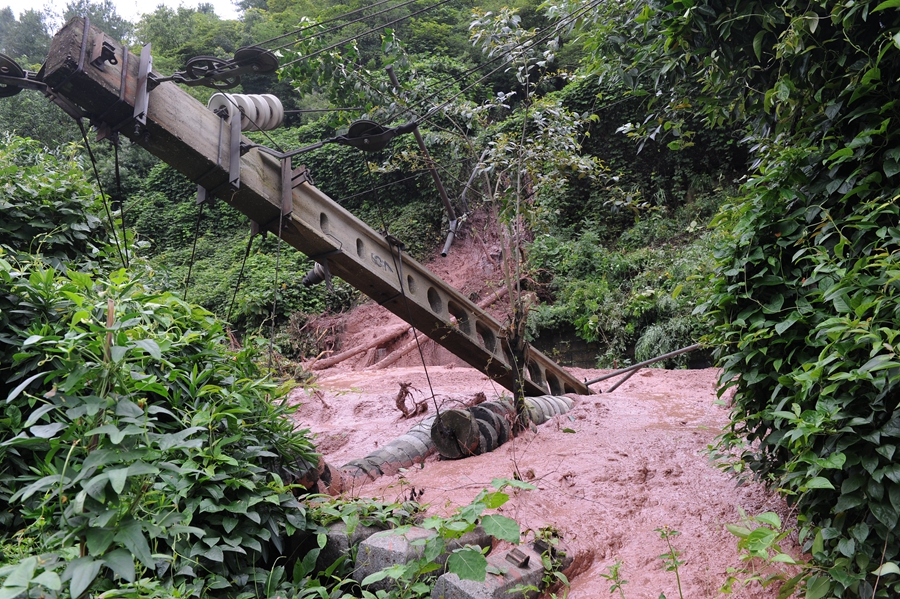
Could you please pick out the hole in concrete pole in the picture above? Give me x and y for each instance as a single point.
(486, 337)
(462, 318)
(360, 248)
(323, 223)
(535, 373)
(555, 387)
(434, 300)
(411, 284)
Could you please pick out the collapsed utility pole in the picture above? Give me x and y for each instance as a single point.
(100, 76)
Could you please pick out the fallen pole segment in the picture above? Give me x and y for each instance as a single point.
(186, 135)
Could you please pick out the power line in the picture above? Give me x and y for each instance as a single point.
(347, 24)
(319, 24)
(365, 33)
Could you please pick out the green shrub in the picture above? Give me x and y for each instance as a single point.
(47, 206)
(134, 444)
(632, 302)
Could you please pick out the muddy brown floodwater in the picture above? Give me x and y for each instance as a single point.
(636, 462)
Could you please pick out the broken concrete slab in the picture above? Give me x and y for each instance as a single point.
(403, 545)
(519, 566)
(338, 541)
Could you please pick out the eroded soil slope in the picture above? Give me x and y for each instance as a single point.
(636, 462)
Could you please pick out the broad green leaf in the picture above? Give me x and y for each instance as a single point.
(783, 558)
(48, 580)
(757, 44)
(215, 554)
(150, 346)
(885, 5)
(117, 479)
(501, 527)
(22, 574)
(21, 387)
(374, 577)
(121, 563)
(99, 539)
(817, 587)
(117, 352)
(36, 415)
(741, 532)
(886, 568)
(46, 431)
(819, 483)
(132, 536)
(770, 518)
(468, 564)
(81, 572)
(229, 523)
(494, 500)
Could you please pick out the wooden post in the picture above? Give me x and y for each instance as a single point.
(185, 134)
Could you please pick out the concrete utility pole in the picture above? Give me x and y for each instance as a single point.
(193, 140)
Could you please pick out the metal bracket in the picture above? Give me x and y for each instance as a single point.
(142, 94)
(104, 128)
(104, 51)
(518, 558)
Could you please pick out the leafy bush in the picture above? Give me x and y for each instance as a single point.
(133, 445)
(632, 302)
(46, 204)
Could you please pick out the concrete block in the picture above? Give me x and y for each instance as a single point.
(339, 542)
(389, 548)
(495, 586)
(402, 545)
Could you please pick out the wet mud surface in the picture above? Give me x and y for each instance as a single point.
(636, 462)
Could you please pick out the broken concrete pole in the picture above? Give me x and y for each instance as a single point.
(404, 451)
(484, 427)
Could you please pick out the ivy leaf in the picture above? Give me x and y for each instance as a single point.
(121, 563)
(468, 564)
(132, 536)
(117, 478)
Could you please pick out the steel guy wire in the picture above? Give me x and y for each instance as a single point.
(112, 223)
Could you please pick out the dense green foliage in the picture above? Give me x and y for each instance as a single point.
(134, 444)
(804, 292)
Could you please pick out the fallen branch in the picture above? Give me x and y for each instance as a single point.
(386, 338)
(411, 345)
(418, 407)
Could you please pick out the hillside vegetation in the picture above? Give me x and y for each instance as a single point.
(658, 173)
